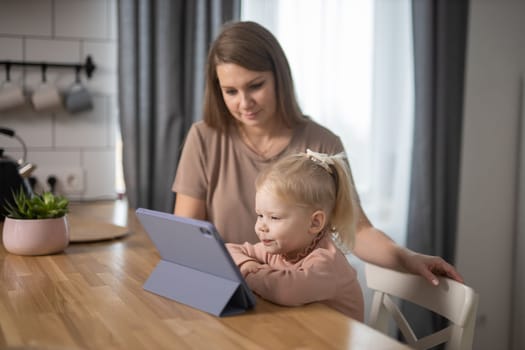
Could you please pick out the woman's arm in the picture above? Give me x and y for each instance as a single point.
(374, 246)
(190, 207)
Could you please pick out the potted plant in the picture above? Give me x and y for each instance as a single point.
(36, 224)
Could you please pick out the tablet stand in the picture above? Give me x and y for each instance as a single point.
(215, 295)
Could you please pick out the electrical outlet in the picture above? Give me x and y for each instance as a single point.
(69, 180)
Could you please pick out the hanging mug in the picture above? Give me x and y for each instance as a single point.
(78, 98)
(46, 97)
(11, 95)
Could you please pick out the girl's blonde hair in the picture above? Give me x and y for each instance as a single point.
(320, 182)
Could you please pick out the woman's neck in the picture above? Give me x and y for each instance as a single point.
(261, 132)
(267, 141)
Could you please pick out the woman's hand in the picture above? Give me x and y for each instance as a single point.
(374, 246)
(250, 266)
(428, 266)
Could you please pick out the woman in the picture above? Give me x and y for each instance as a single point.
(251, 118)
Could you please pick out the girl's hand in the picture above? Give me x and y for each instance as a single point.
(249, 267)
(429, 267)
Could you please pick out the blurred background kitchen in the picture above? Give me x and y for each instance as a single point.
(84, 145)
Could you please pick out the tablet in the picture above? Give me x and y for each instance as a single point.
(195, 268)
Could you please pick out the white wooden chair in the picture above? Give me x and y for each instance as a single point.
(452, 300)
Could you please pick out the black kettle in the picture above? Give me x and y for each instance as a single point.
(14, 174)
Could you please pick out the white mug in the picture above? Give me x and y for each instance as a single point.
(11, 96)
(46, 98)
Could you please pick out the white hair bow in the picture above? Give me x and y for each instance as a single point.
(322, 159)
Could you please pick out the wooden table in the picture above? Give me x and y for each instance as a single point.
(91, 297)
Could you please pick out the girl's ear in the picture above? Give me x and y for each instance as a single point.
(317, 221)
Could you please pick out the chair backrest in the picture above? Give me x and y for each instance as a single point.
(450, 299)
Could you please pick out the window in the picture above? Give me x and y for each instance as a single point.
(352, 67)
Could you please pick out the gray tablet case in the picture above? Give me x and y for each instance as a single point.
(195, 267)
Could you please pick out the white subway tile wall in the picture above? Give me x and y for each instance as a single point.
(94, 126)
(11, 48)
(81, 19)
(103, 161)
(50, 50)
(26, 17)
(64, 31)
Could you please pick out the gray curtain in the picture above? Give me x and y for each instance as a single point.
(162, 53)
(440, 32)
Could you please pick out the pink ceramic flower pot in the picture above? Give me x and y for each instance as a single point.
(36, 237)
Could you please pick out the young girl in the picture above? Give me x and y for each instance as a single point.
(306, 209)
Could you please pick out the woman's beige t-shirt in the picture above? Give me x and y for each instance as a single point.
(220, 169)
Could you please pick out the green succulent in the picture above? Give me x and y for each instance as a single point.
(44, 206)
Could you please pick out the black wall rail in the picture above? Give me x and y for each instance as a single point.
(88, 66)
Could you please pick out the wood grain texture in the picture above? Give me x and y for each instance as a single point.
(88, 230)
(90, 297)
